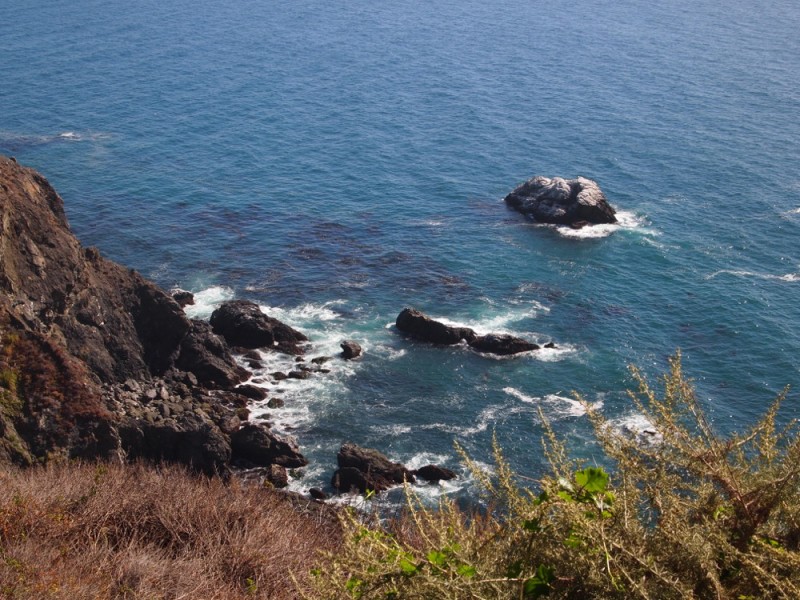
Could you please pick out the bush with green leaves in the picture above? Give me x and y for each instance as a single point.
(691, 515)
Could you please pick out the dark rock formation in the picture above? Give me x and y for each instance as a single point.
(421, 327)
(502, 344)
(365, 469)
(254, 445)
(242, 323)
(251, 391)
(207, 356)
(183, 298)
(575, 202)
(350, 350)
(317, 494)
(101, 362)
(435, 473)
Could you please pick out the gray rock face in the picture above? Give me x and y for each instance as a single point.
(562, 201)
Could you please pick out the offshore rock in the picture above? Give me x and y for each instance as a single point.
(242, 323)
(366, 469)
(422, 327)
(502, 344)
(419, 326)
(435, 473)
(574, 202)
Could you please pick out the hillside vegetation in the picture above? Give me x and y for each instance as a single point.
(688, 515)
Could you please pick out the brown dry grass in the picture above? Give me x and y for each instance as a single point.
(134, 531)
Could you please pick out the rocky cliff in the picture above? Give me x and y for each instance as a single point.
(97, 361)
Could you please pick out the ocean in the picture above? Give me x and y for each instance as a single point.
(339, 161)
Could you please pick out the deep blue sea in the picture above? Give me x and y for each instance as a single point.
(337, 161)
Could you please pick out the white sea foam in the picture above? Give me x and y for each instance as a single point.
(638, 427)
(625, 220)
(789, 277)
(205, 301)
(555, 405)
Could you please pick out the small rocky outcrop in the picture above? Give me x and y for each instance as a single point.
(243, 324)
(365, 469)
(350, 349)
(422, 327)
(419, 326)
(435, 473)
(575, 202)
(256, 446)
(208, 357)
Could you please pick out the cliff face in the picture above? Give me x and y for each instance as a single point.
(117, 323)
(96, 360)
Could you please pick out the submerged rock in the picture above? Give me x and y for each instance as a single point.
(576, 202)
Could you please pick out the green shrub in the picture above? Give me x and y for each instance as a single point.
(690, 515)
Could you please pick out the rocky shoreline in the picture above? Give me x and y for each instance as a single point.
(98, 363)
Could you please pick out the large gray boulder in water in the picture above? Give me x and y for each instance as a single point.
(575, 202)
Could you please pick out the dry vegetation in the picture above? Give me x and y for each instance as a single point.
(116, 531)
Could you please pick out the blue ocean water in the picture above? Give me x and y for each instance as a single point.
(338, 161)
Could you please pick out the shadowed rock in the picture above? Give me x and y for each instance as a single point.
(502, 344)
(366, 469)
(576, 202)
(421, 327)
(435, 473)
(350, 350)
(256, 445)
(242, 323)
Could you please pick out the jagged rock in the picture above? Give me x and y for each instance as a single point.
(435, 473)
(367, 469)
(207, 356)
(350, 349)
(562, 201)
(320, 360)
(183, 298)
(95, 340)
(299, 374)
(189, 439)
(501, 344)
(258, 446)
(275, 403)
(242, 323)
(422, 327)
